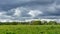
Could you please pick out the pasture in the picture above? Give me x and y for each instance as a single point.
(29, 29)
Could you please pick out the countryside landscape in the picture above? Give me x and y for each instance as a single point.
(29, 16)
(33, 27)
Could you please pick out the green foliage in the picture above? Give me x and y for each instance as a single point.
(45, 22)
(10, 33)
(37, 22)
(30, 29)
(52, 23)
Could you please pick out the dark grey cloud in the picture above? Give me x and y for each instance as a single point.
(9, 4)
(29, 9)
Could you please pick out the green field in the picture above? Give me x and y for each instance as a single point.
(29, 29)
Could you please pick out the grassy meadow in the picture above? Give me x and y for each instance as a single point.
(29, 29)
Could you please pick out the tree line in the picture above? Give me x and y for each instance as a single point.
(38, 22)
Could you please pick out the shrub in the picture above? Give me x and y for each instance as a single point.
(36, 23)
(52, 23)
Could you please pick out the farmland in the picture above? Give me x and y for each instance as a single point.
(29, 29)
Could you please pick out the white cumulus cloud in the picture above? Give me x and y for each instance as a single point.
(17, 12)
(35, 13)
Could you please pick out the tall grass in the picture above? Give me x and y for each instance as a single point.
(29, 29)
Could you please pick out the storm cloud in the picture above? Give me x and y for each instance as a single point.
(29, 9)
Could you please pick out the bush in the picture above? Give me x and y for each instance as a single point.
(52, 23)
(36, 23)
(44, 22)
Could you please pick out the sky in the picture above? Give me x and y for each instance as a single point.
(21, 10)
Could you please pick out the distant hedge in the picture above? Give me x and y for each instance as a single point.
(31, 23)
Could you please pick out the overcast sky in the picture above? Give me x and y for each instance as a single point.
(29, 9)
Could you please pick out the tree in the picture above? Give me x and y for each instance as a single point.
(52, 23)
(45, 23)
(36, 22)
